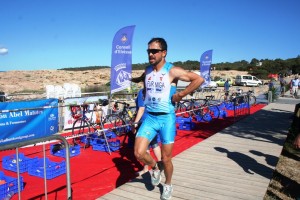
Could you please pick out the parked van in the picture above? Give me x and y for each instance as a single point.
(247, 80)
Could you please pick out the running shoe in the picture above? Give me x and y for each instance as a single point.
(155, 177)
(167, 192)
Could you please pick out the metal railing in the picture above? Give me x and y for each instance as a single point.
(42, 141)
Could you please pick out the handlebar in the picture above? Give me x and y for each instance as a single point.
(121, 102)
(103, 102)
(210, 97)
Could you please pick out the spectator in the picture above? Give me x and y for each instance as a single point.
(226, 89)
(282, 85)
(271, 85)
(294, 85)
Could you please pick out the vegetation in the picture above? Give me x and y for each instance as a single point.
(29, 91)
(83, 68)
(259, 68)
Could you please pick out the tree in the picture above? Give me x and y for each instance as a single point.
(254, 62)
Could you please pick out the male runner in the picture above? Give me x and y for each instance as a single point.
(160, 85)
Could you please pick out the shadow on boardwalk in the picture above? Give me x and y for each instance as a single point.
(267, 126)
(248, 164)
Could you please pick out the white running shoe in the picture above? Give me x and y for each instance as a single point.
(155, 177)
(167, 192)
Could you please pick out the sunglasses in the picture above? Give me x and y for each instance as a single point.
(153, 51)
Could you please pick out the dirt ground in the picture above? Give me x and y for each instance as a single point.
(37, 80)
(34, 82)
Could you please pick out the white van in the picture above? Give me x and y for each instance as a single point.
(247, 80)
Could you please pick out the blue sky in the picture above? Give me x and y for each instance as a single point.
(40, 34)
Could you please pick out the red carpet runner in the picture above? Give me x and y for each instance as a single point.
(95, 173)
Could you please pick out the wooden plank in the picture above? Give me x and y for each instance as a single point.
(111, 196)
(241, 170)
(212, 175)
(209, 155)
(227, 164)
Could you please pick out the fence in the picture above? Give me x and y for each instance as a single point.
(241, 107)
(42, 141)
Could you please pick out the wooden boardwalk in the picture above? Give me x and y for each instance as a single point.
(236, 163)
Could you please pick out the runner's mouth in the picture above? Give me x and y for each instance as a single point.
(151, 58)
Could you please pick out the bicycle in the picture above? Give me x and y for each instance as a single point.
(208, 111)
(224, 97)
(235, 96)
(251, 97)
(120, 120)
(127, 113)
(181, 108)
(201, 109)
(83, 131)
(243, 97)
(188, 108)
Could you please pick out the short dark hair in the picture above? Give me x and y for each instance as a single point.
(161, 41)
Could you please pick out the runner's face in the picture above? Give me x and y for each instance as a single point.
(157, 57)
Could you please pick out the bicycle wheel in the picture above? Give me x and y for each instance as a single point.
(79, 128)
(232, 97)
(182, 109)
(222, 98)
(116, 124)
(124, 114)
(194, 109)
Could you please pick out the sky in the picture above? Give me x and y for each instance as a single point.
(41, 35)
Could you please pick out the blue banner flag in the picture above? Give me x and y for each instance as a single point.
(205, 62)
(120, 74)
(23, 121)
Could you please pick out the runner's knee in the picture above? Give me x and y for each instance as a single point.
(139, 153)
(166, 159)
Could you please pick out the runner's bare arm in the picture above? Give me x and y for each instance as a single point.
(177, 73)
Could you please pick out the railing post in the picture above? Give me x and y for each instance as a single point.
(61, 106)
(248, 104)
(270, 100)
(234, 109)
